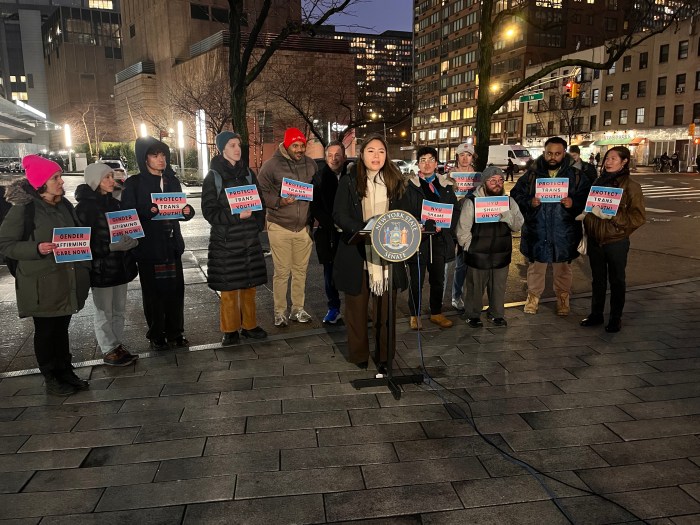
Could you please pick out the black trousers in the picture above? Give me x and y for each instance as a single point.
(436, 279)
(51, 346)
(608, 263)
(163, 297)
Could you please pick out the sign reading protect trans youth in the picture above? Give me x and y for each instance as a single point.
(170, 205)
(243, 198)
(607, 199)
(72, 244)
(301, 191)
(552, 189)
(124, 222)
(396, 236)
(466, 182)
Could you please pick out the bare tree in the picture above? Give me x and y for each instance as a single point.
(646, 19)
(245, 65)
(90, 124)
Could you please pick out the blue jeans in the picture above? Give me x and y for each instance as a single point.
(331, 291)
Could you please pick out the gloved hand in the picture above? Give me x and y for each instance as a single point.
(581, 216)
(599, 213)
(507, 217)
(188, 212)
(124, 243)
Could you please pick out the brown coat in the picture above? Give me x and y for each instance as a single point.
(630, 216)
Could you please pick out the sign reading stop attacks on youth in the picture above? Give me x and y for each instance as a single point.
(72, 244)
(301, 191)
(124, 222)
(170, 205)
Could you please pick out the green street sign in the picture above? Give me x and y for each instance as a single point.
(533, 96)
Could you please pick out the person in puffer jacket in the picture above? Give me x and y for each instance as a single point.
(113, 265)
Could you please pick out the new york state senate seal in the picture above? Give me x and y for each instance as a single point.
(396, 236)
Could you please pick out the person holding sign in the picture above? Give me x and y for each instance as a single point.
(488, 247)
(435, 252)
(608, 238)
(374, 186)
(113, 264)
(159, 254)
(551, 234)
(236, 262)
(47, 291)
(288, 225)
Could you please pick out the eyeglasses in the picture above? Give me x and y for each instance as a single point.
(494, 180)
(426, 160)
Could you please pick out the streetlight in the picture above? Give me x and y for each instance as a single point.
(144, 131)
(69, 145)
(375, 116)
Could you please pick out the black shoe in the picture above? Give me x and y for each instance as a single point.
(159, 344)
(180, 342)
(69, 377)
(497, 321)
(592, 320)
(362, 365)
(56, 387)
(381, 368)
(254, 333)
(474, 322)
(614, 325)
(230, 338)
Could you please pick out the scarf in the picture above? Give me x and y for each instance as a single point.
(375, 203)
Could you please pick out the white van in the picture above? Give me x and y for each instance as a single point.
(499, 155)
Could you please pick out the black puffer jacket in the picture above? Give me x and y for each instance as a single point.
(236, 258)
(108, 268)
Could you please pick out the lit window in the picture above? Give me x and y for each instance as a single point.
(100, 4)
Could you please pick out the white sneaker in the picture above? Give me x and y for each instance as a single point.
(300, 316)
(280, 320)
(458, 304)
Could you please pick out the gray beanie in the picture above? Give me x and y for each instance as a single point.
(489, 172)
(223, 138)
(94, 174)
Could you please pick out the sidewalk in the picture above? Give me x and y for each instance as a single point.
(274, 433)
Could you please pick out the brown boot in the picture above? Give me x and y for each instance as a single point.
(532, 304)
(440, 320)
(415, 323)
(563, 304)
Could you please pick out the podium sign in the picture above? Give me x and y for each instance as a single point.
(396, 236)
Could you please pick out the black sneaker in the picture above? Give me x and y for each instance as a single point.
(180, 342)
(57, 387)
(254, 333)
(474, 322)
(70, 377)
(159, 344)
(498, 321)
(230, 339)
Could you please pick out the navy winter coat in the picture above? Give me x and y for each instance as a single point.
(551, 233)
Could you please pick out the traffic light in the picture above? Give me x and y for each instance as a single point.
(574, 89)
(691, 129)
(567, 88)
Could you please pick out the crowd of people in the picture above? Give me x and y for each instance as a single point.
(344, 199)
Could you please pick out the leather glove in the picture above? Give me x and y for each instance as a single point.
(188, 212)
(124, 243)
(507, 217)
(599, 213)
(582, 216)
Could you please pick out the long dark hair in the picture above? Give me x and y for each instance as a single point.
(394, 180)
(612, 178)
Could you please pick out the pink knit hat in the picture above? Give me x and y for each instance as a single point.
(38, 170)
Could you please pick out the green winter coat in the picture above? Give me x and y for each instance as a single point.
(44, 288)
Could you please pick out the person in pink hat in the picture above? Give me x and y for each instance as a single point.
(288, 224)
(48, 292)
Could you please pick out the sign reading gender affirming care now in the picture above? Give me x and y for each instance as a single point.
(301, 191)
(72, 244)
(243, 198)
(440, 212)
(465, 182)
(607, 199)
(170, 205)
(552, 189)
(489, 209)
(124, 222)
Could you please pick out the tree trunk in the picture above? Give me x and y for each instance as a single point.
(482, 131)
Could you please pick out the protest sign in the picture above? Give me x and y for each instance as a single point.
(243, 198)
(439, 212)
(170, 205)
(551, 189)
(72, 244)
(301, 191)
(489, 209)
(465, 182)
(123, 222)
(607, 199)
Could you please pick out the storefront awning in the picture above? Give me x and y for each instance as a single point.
(637, 141)
(621, 141)
(584, 143)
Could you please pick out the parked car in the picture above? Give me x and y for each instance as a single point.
(11, 165)
(499, 155)
(401, 164)
(413, 167)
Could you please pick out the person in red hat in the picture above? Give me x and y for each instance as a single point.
(288, 225)
(48, 292)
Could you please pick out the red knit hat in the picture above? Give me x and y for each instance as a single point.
(293, 135)
(38, 170)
